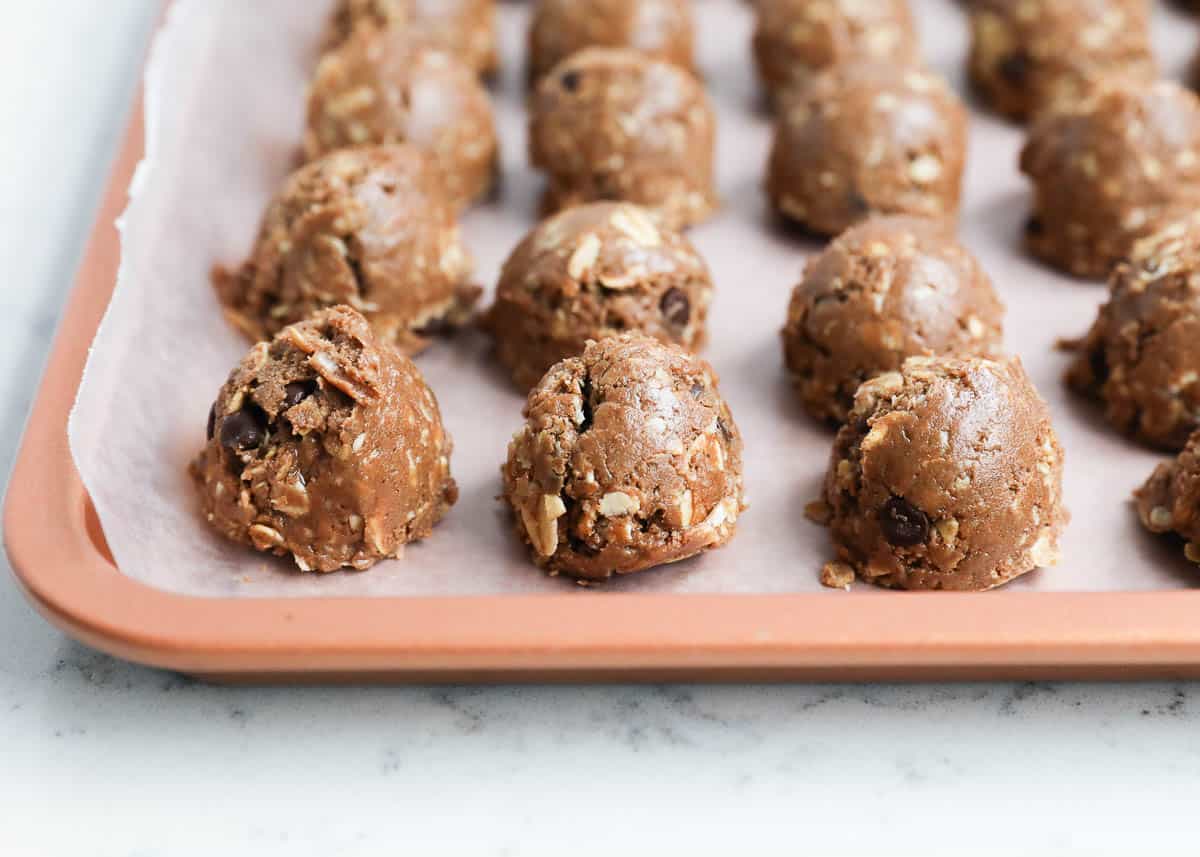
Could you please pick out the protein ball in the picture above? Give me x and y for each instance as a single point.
(947, 475)
(1027, 55)
(327, 445)
(868, 138)
(629, 458)
(591, 272)
(796, 39)
(885, 290)
(613, 124)
(1169, 502)
(1142, 355)
(1109, 170)
(381, 87)
(369, 227)
(465, 28)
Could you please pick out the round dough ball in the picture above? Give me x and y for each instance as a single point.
(868, 138)
(629, 458)
(796, 39)
(1026, 56)
(662, 29)
(613, 124)
(380, 87)
(885, 290)
(465, 28)
(369, 227)
(947, 475)
(1142, 355)
(1169, 502)
(325, 444)
(592, 272)
(1110, 170)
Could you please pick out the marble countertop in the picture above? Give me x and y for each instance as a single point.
(99, 757)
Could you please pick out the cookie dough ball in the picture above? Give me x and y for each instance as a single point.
(629, 459)
(662, 29)
(613, 124)
(327, 445)
(1169, 502)
(883, 291)
(592, 272)
(1142, 355)
(369, 227)
(1025, 56)
(868, 138)
(796, 39)
(381, 87)
(465, 28)
(1109, 171)
(947, 475)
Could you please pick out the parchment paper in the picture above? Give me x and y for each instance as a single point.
(224, 105)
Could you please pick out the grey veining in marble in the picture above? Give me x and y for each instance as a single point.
(98, 757)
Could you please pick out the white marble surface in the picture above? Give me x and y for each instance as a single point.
(98, 757)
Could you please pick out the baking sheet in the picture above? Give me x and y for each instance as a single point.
(225, 93)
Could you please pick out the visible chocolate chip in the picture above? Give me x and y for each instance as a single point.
(1014, 68)
(1098, 361)
(675, 307)
(697, 390)
(1034, 226)
(903, 524)
(725, 430)
(244, 429)
(585, 406)
(570, 80)
(296, 392)
(212, 421)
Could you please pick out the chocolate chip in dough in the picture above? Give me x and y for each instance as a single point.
(570, 80)
(211, 428)
(243, 429)
(675, 306)
(296, 392)
(903, 524)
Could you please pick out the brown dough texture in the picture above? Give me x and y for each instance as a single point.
(465, 28)
(1142, 355)
(947, 475)
(592, 272)
(883, 291)
(868, 138)
(662, 29)
(369, 227)
(1109, 170)
(1028, 55)
(380, 87)
(796, 39)
(327, 445)
(611, 123)
(629, 458)
(1169, 502)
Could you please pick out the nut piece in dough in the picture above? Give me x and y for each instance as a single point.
(796, 39)
(1028, 55)
(629, 458)
(1169, 502)
(327, 445)
(613, 124)
(1142, 355)
(883, 291)
(868, 138)
(662, 29)
(381, 87)
(592, 272)
(947, 475)
(465, 28)
(1109, 170)
(369, 227)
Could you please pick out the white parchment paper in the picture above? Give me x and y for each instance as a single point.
(225, 91)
